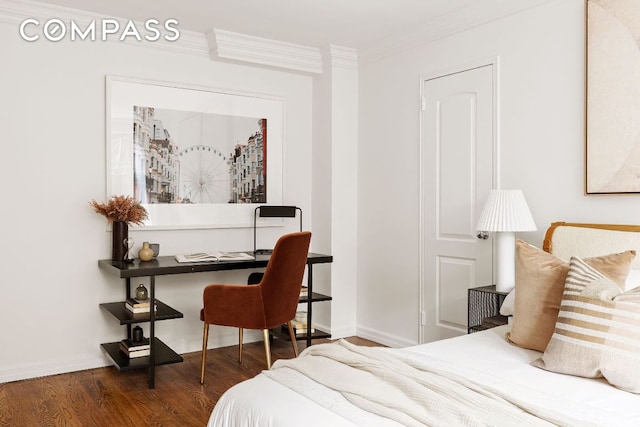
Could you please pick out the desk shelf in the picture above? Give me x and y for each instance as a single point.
(163, 355)
(126, 317)
(315, 297)
(283, 334)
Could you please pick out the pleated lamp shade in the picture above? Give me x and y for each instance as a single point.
(504, 213)
(506, 210)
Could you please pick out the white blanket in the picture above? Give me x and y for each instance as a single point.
(409, 391)
(483, 358)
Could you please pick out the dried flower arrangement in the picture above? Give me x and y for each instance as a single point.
(121, 208)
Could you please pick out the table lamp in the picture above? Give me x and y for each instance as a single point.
(504, 213)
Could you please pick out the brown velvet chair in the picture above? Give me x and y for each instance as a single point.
(268, 304)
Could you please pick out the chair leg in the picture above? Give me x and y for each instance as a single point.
(205, 338)
(267, 348)
(240, 345)
(294, 342)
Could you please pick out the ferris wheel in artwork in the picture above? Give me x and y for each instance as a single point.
(204, 175)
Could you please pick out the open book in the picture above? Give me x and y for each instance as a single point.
(214, 256)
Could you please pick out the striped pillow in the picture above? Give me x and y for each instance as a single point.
(597, 333)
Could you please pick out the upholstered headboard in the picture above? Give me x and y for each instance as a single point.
(565, 239)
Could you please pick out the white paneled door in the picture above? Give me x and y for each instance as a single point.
(458, 164)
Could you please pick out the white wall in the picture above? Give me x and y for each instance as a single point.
(344, 188)
(541, 131)
(52, 119)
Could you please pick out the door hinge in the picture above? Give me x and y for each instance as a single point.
(423, 104)
(423, 318)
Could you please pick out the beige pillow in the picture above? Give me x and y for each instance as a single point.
(539, 283)
(598, 330)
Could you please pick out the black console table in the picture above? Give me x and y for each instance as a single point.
(160, 353)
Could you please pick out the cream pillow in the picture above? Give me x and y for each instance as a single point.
(598, 330)
(539, 283)
(506, 309)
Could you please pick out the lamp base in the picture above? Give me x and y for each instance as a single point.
(505, 257)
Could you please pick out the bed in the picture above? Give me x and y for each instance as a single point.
(544, 368)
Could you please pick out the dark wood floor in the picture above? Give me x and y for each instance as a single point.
(106, 397)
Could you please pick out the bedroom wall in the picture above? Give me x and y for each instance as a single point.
(541, 137)
(52, 116)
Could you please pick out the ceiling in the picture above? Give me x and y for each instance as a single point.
(349, 23)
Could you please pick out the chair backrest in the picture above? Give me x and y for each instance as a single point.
(283, 277)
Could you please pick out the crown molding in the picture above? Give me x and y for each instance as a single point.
(343, 57)
(190, 42)
(16, 11)
(257, 50)
(444, 26)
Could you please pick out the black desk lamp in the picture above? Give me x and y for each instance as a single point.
(268, 211)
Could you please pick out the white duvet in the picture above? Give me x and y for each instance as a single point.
(286, 397)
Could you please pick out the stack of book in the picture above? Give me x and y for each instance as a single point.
(300, 327)
(135, 349)
(304, 292)
(136, 306)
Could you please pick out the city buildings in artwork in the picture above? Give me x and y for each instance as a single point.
(247, 168)
(156, 168)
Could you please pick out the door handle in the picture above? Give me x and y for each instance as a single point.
(483, 235)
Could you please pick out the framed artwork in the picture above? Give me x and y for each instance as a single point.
(195, 157)
(612, 97)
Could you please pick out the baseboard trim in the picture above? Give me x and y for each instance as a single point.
(37, 370)
(383, 338)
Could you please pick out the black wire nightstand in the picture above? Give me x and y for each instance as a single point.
(484, 308)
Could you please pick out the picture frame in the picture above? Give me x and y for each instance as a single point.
(612, 116)
(181, 210)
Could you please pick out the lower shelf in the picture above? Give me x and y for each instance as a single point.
(489, 322)
(314, 297)
(284, 334)
(163, 356)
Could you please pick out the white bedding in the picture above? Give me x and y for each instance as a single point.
(483, 357)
